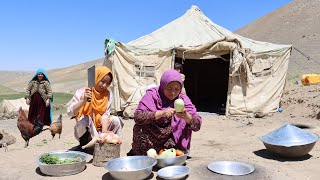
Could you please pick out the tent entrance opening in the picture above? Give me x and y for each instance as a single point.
(206, 83)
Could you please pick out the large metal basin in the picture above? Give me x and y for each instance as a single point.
(63, 169)
(131, 167)
(289, 141)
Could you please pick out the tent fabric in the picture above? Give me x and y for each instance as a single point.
(256, 74)
(8, 106)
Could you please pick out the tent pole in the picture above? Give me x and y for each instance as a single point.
(173, 58)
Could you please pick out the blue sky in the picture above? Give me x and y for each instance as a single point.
(60, 33)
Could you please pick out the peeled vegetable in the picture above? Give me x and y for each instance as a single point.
(152, 153)
(178, 105)
(168, 153)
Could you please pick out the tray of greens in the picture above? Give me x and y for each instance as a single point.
(62, 163)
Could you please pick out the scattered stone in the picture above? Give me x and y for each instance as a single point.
(7, 139)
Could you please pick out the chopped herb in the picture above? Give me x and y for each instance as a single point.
(54, 159)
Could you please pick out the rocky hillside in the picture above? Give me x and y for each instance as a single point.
(297, 23)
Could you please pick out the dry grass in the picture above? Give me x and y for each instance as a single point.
(5, 90)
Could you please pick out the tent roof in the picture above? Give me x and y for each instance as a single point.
(194, 29)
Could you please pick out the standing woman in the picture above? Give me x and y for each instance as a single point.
(93, 117)
(157, 125)
(38, 97)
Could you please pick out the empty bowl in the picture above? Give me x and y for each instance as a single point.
(173, 172)
(232, 168)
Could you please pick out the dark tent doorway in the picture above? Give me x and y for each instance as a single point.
(206, 83)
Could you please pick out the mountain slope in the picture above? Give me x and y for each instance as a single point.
(297, 23)
(6, 90)
(66, 79)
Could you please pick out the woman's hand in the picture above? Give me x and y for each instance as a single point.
(87, 94)
(28, 101)
(168, 112)
(184, 115)
(164, 113)
(100, 139)
(47, 102)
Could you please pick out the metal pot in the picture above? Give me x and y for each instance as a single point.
(131, 167)
(289, 141)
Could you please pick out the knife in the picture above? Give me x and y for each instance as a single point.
(91, 77)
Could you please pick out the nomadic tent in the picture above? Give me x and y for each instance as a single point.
(8, 106)
(225, 72)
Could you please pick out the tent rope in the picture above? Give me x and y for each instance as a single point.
(302, 65)
(305, 55)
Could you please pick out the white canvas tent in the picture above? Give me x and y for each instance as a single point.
(221, 68)
(8, 106)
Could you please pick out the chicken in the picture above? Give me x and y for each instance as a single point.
(104, 138)
(27, 129)
(56, 127)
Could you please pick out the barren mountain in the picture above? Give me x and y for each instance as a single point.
(297, 23)
(66, 79)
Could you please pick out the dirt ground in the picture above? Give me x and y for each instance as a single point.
(220, 138)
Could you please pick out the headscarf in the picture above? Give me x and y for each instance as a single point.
(99, 101)
(155, 100)
(40, 70)
(45, 77)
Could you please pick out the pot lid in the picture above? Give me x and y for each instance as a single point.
(289, 135)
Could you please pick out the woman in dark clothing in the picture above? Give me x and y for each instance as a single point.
(157, 125)
(39, 97)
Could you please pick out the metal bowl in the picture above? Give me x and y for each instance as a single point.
(178, 160)
(131, 167)
(63, 169)
(289, 141)
(173, 172)
(232, 168)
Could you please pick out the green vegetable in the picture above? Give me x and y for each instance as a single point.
(178, 105)
(54, 159)
(169, 153)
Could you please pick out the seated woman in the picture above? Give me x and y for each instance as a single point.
(157, 125)
(93, 117)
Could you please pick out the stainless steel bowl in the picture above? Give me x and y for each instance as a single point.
(232, 168)
(289, 141)
(63, 169)
(173, 172)
(178, 160)
(131, 167)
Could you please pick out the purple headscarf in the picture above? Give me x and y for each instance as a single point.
(155, 100)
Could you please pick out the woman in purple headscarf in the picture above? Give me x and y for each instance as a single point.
(157, 125)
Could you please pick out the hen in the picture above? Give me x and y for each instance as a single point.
(56, 127)
(27, 129)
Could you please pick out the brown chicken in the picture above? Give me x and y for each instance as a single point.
(27, 129)
(56, 127)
